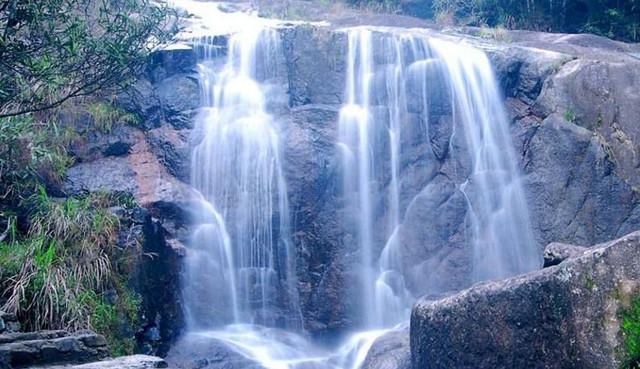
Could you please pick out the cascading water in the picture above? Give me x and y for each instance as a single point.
(243, 253)
(239, 276)
(501, 235)
(380, 68)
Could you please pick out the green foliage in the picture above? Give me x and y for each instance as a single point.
(54, 50)
(570, 116)
(630, 328)
(107, 115)
(30, 151)
(610, 18)
(65, 252)
(112, 318)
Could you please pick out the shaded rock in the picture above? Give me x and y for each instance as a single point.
(179, 98)
(9, 323)
(565, 316)
(51, 347)
(315, 59)
(574, 192)
(171, 60)
(555, 253)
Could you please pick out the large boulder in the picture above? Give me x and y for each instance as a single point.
(565, 316)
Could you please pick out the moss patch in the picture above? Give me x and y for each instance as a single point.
(630, 329)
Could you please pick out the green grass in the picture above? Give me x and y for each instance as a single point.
(106, 116)
(56, 273)
(630, 328)
(570, 116)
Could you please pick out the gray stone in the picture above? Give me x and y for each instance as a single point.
(565, 316)
(202, 352)
(555, 253)
(9, 322)
(124, 362)
(391, 351)
(51, 347)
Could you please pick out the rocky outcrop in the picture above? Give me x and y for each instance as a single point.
(568, 96)
(19, 350)
(565, 316)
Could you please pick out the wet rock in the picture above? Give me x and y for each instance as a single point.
(391, 351)
(124, 362)
(171, 147)
(202, 352)
(565, 316)
(179, 98)
(171, 60)
(315, 60)
(555, 253)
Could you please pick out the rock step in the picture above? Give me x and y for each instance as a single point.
(125, 362)
(51, 347)
(31, 336)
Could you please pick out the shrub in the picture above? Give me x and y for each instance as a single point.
(55, 50)
(30, 151)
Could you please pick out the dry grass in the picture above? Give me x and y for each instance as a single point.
(66, 253)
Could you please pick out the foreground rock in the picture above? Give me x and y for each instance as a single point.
(20, 350)
(565, 316)
(206, 352)
(391, 351)
(125, 362)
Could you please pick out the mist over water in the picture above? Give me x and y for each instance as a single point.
(239, 284)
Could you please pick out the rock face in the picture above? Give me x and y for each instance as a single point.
(565, 316)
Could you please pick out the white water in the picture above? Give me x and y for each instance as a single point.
(238, 171)
(239, 276)
(379, 69)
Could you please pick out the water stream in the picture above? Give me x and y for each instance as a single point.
(239, 282)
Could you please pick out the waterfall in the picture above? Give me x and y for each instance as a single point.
(242, 248)
(380, 69)
(501, 236)
(239, 284)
